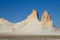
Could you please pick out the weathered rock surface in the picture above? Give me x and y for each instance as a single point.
(34, 14)
(46, 19)
(30, 26)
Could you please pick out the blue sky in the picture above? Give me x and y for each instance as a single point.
(18, 10)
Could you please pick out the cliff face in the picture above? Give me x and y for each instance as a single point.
(46, 19)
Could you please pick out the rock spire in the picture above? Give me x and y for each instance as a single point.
(34, 14)
(46, 19)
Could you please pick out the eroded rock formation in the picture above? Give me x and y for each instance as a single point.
(46, 19)
(34, 14)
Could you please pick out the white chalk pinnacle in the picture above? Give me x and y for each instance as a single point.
(46, 19)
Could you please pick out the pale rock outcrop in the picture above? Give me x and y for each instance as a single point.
(5, 25)
(30, 26)
(34, 14)
(46, 19)
(2, 20)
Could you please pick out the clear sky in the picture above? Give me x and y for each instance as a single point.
(18, 10)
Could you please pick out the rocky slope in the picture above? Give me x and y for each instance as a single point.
(30, 26)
